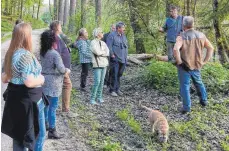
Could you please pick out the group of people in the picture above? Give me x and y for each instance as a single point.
(185, 50)
(33, 91)
(36, 86)
(31, 98)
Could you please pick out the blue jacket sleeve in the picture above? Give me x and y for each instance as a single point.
(110, 41)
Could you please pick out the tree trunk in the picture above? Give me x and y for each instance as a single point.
(223, 58)
(98, 13)
(6, 7)
(139, 44)
(21, 13)
(66, 12)
(33, 11)
(61, 10)
(194, 9)
(38, 9)
(188, 8)
(55, 12)
(50, 10)
(83, 12)
(72, 13)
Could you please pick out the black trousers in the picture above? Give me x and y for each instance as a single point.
(84, 74)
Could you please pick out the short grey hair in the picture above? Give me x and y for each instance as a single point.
(96, 32)
(82, 31)
(188, 22)
(120, 24)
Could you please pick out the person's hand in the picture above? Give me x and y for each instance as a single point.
(161, 30)
(113, 56)
(204, 63)
(68, 71)
(42, 79)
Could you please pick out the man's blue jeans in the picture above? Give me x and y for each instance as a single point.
(184, 79)
(41, 137)
(50, 111)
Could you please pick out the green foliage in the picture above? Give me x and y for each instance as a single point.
(36, 24)
(109, 146)
(127, 117)
(163, 77)
(225, 146)
(123, 114)
(216, 78)
(134, 125)
(6, 26)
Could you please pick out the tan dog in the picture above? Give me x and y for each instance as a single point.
(158, 122)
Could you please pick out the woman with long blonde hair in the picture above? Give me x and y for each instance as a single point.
(23, 116)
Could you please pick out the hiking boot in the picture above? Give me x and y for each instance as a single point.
(119, 93)
(183, 111)
(52, 134)
(203, 103)
(114, 94)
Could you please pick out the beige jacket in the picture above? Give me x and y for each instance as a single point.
(101, 52)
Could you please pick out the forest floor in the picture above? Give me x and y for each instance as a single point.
(119, 124)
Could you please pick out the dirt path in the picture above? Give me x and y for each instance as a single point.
(70, 142)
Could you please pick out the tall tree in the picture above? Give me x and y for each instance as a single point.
(188, 8)
(21, 9)
(55, 12)
(6, 7)
(66, 12)
(61, 10)
(223, 58)
(83, 12)
(98, 13)
(38, 9)
(50, 9)
(135, 24)
(72, 13)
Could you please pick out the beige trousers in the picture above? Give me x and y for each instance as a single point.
(66, 94)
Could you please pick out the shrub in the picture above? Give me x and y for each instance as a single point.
(163, 77)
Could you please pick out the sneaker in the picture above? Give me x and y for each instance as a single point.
(183, 111)
(83, 89)
(100, 100)
(53, 134)
(203, 103)
(93, 102)
(114, 94)
(119, 93)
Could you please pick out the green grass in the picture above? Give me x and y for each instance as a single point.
(163, 77)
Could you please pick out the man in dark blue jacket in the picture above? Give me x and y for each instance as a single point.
(172, 27)
(117, 44)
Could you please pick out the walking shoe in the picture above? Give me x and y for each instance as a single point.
(114, 94)
(203, 103)
(183, 111)
(119, 93)
(100, 100)
(53, 134)
(83, 89)
(93, 102)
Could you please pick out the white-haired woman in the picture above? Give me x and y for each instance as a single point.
(100, 53)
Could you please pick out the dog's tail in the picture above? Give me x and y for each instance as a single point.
(144, 107)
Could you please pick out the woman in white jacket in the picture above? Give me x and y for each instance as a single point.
(100, 54)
